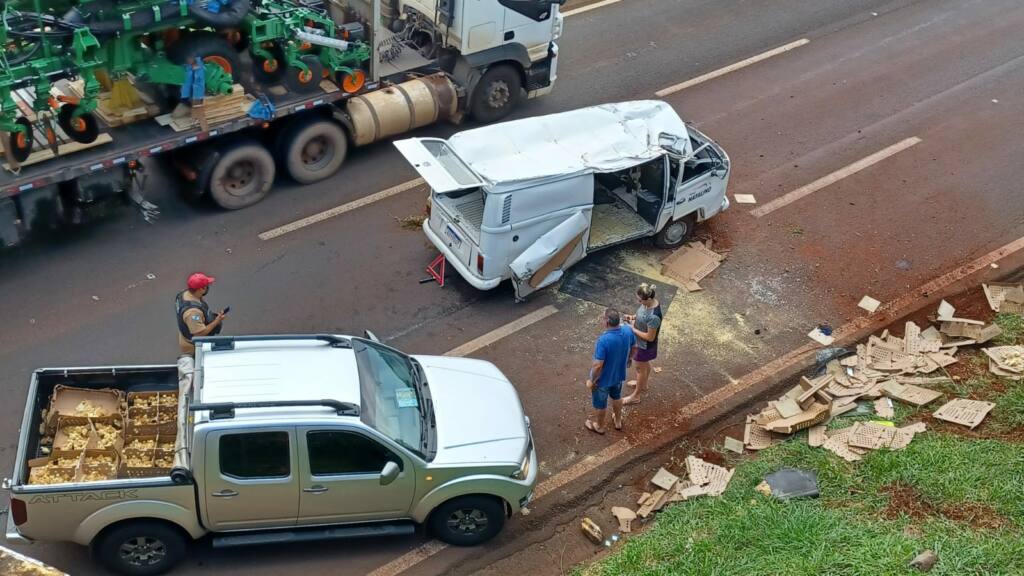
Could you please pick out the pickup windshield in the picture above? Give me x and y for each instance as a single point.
(395, 397)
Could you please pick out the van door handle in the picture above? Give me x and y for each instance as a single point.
(315, 489)
(225, 493)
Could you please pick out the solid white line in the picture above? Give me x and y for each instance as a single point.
(589, 7)
(339, 210)
(502, 331)
(730, 68)
(834, 177)
(895, 308)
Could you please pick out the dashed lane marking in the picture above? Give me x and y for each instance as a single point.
(339, 210)
(731, 68)
(502, 331)
(808, 189)
(589, 7)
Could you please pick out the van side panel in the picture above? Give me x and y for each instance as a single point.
(534, 211)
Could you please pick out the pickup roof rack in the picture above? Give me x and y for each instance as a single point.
(226, 410)
(228, 342)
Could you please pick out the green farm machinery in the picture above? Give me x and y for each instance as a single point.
(190, 48)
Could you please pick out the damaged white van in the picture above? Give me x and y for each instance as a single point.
(525, 200)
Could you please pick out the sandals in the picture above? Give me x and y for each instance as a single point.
(617, 423)
(589, 425)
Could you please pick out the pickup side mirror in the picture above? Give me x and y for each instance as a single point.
(370, 336)
(389, 474)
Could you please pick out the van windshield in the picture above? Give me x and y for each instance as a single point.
(395, 398)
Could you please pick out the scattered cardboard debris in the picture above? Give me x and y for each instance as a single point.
(1006, 360)
(656, 497)
(643, 498)
(745, 198)
(664, 479)
(909, 393)
(625, 516)
(837, 443)
(965, 412)
(924, 561)
(820, 337)
(691, 264)
(1000, 293)
(884, 407)
(592, 531)
(816, 435)
(755, 436)
(788, 407)
(868, 303)
(733, 445)
(698, 469)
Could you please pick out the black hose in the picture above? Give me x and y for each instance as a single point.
(228, 17)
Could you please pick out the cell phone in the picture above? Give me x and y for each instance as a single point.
(226, 310)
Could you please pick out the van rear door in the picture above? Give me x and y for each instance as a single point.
(546, 260)
(438, 164)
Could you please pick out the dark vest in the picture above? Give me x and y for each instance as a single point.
(182, 305)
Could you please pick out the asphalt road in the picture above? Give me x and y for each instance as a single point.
(874, 73)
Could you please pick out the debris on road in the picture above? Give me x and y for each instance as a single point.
(868, 303)
(592, 530)
(733, 445)
(792, 483)
(744, 198)
(1007, 361)
(924, 561)
(664, 479)
(625, 516)
(691, 264)
(820, 337)
(965, 412)
(884, 408)
(1004, 297)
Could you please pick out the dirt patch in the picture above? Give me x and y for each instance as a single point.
(906, 501)
(713, 457)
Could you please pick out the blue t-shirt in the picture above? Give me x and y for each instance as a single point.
(613, 347)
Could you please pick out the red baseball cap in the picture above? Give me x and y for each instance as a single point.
(199, 280)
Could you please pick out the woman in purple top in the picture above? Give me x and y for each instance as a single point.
(646, 325)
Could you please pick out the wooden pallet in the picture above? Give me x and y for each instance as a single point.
(218, 109)
(112, 116)
(41, 148)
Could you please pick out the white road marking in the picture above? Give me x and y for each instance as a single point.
(589, 7)
(834, 177)
(502, 331)
(409, 559)
(339, 210)
(731, 68)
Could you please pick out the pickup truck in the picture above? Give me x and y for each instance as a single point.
(289, 438)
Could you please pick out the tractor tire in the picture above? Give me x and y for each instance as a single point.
(243, 175)
(298, 81)
(19, 144)
(83, 129)
(497, 93)
(269, 72)
(312, 149)
(211, 47)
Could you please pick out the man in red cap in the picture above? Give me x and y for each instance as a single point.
(194, 316)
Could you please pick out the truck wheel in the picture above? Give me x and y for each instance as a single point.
(497, 93)
(300, 81)
(242, 177)
(468, 520)
(141, 548)
(675, 233)
(312, 150)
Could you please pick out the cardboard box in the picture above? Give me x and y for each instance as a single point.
(69, 401)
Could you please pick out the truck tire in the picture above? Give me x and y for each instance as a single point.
(140, 548)
(496, 94)
(312, 150)
(243, 176)
(676, 232)
(468, 520)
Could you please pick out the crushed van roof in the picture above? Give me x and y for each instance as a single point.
(601, 138)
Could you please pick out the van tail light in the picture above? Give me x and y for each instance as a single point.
(19, 513)
(480, 263)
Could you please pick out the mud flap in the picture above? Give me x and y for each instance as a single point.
(546, 260)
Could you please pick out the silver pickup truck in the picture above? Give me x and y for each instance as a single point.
(290, 438)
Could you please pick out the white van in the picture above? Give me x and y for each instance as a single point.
(525, 200)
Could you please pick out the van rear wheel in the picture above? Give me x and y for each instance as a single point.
(468, 520)
(675, 233)
(143, 548)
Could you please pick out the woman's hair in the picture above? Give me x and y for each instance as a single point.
(645, 291)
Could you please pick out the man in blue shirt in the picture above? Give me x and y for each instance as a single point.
(613, 352)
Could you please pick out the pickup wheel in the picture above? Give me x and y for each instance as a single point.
(497, 94)
(676, 232)
(468, 520)
(142, 548)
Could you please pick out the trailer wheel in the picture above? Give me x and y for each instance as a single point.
(242, 177)
(675, 233)
(141, 548)
(497, 93)
(83, 129)
(20, 143)
(300, 81)
(312, 150)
